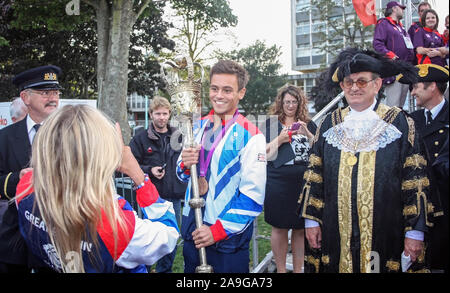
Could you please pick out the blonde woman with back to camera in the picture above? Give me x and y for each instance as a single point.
(69, 213)
(287, 156)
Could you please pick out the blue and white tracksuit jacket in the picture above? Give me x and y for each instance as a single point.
(143, 243)
(237, 181)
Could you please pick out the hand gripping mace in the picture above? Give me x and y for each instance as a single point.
(186, 101)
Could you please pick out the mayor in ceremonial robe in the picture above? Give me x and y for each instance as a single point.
(365, 194)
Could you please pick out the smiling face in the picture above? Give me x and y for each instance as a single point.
(40, 103)
(361, 98)
(423, 95)
(225, 95)
(430, 20)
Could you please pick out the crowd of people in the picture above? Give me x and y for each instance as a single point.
(420, 44)
(363, 191)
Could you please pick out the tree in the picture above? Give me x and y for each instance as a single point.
(263, 66)
(116, 21)
(339, 26)
(198, 18)
(113, 25)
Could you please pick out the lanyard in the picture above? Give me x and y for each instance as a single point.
(204, 165)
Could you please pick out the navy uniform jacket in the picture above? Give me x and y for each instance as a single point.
(434, 137)
(435, 134)
(15, 151)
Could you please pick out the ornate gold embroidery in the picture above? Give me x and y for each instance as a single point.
(411, 130)
(416, 161)
(314, 161)
(382, 109)
(337, 117)
(422, 271)
(325, 259)
(317, 203)
(419, 184)
(438, 214)
(317, 134)
(305, 191)
(345, 214)
(430, 208)
(387, 113)
(304, 215)
(310, 176)
(365, 189)
(393, 265)
(314, 261)
(415, 183)
(410, 210)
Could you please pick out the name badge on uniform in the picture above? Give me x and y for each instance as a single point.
(408, 42)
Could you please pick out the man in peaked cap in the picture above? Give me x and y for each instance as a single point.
(39, 89)
(432, 125)
(392, 41)
(359, 198)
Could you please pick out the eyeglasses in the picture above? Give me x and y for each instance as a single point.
(360, 83)
(47, 94)
(287, 103)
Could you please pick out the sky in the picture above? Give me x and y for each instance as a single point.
(265, 20)
(270, 20)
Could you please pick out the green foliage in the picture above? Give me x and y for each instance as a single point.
(50, 14)
(209, 14)
(263, 66)
(199, 20)
(40, 32)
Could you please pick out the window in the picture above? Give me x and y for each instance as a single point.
(303, 29)
(302, 5)
(319, 26)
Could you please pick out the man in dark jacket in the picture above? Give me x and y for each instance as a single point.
(432, 125)
(39, 89)
(157, 149)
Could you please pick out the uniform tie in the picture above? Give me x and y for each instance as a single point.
(36, 127)
(429, 117)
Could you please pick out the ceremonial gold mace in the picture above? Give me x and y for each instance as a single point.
(186, 100)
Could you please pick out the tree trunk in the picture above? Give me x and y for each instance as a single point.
(114, 24)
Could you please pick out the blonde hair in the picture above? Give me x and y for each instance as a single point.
(74, 156)
(159, 102)
(302, 110)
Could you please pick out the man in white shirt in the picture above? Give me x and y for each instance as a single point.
(39, 89)
(360, 199)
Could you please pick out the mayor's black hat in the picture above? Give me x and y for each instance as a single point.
(354, 60)
(427, 73)
(43, 77)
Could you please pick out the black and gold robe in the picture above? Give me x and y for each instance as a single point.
(365, 209)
